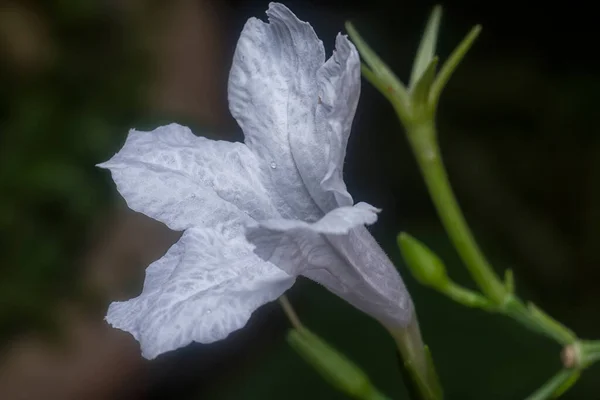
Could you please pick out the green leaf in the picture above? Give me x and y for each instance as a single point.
(452, 63)
(556, 385)
(420, 92)
(426, 50)
(380, 75)
(567, 384)
(509, 281)
(333, 366)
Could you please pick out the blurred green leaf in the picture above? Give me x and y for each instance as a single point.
(426, 51)
(333, 365)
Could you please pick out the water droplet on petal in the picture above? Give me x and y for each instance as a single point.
(273, 165)
(208, 311)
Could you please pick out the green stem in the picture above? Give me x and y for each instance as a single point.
(589, 352)
(533, 319)
(467, 297)
(554, 386)
(417, 361)
(423, 138)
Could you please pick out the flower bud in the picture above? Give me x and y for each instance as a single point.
(426, 267)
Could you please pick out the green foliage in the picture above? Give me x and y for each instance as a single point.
(340, 372)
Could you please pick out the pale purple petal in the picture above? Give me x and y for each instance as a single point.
(285, 184)
(184, 180)
(320, 154)
(339, 253)
(336, 222)
(273, 93)
(205, 287)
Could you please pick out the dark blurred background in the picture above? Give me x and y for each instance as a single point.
(519, 134)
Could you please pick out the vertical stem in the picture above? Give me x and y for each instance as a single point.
(423, 138)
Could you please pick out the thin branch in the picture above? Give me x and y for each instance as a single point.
(290, 312)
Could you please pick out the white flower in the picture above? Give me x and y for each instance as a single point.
(256, 215)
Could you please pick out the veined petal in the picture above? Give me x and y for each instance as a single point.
(336, 222)
(205, 287)
(184, 180)
(320, 154)
(272, 94)
(339, 253)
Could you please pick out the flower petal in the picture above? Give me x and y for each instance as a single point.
(273, 94)
(336, 222)
(320, 154)
(183, 180)
(339, 253)
(205, 287)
